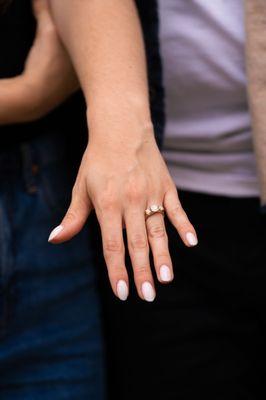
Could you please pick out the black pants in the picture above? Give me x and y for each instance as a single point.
(205, 334)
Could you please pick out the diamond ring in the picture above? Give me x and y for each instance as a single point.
(153, 209)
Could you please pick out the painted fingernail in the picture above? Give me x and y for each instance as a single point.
(122, 290)
(55, 232)
(191, 238)
(148, 291)
(165, 273)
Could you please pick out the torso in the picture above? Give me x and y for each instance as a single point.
(208, 143)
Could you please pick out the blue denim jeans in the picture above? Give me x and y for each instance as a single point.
(50, 327)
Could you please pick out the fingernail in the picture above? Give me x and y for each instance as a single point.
(122, 290)
(55, 232)
(191, 238)
(148, 291)
(165, 273)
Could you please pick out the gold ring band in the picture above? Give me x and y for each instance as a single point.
(153, 209)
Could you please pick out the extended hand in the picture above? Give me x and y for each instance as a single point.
(120, 181)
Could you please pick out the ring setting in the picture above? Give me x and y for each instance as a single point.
(153, 209)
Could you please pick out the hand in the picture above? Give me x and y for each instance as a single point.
(120, 181)
(48, 72)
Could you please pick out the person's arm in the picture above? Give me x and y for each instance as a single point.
(15, 104)
(122, 171)
(48, 77)
(105, 42)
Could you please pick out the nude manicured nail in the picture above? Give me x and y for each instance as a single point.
(55, 232)
(148, 291)
(122, 290)
(191, 238)
(165, 273)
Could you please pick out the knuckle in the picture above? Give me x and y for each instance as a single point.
(107, 203)
(139, 242)
(134, 193)
(116, 272)
(156, 231)
(141, 270)
(173, 190)
(112, 246)
(174, 210)
(164, 255)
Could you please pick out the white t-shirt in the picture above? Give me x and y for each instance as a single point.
(208, 144)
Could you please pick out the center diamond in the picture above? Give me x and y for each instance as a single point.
(154, 208)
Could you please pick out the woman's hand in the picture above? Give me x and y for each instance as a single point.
(120, 180)
(122, 172)
(48, 70)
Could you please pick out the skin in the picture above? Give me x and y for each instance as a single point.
(48, 77)
(122, 171)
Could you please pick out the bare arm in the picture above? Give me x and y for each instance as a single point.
(122, 171)
(48, 77)
(15, 105)
(105, 42)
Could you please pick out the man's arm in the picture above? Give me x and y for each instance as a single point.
(122, 171)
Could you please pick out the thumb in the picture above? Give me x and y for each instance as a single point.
(74, 220)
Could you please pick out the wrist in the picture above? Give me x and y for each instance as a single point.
(125, 122)
(123, 144)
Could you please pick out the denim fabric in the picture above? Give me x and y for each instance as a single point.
(50, 333)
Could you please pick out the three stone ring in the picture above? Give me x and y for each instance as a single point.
(153, 209)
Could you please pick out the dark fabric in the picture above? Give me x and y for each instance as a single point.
(50, 322)
(148, 12)
(17, 30)
(17, 27)
(205, 333)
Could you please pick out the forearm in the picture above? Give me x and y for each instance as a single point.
(122, 171)
(105, 42)
(15, 106)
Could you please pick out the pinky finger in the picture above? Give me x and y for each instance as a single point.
(179, 218)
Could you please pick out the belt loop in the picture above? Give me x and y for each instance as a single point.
(30, 167)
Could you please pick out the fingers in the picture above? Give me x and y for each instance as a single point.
(74, 219)
(138, 247)
(114, 251)
(179, 219)
(159, 245)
